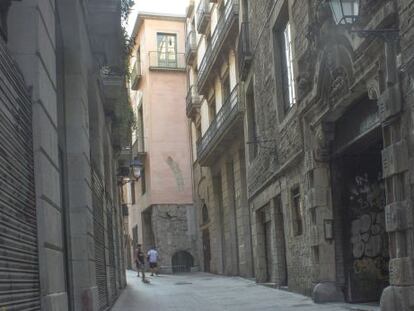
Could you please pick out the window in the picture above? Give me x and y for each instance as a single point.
(290, 98)
(198, 131)
(208, 40)
(135, 236)
(225, 88)
(4, 8)
(139, 54)
(212, 110)
(143, 181)
(297, 215)
(206, 219)
(132, 192)
(167, 50)
(251, 122)
(221, 11)
(140, 130)
(282, 38)
(286, 53)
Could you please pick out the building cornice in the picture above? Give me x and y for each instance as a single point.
(142, 16)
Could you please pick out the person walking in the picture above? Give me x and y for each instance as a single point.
(152, 257)
(140, 261)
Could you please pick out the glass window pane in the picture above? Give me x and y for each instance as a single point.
(167, 50)
(289, 66)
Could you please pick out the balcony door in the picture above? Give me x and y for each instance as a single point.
(167, 50)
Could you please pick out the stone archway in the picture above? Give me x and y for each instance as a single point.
(331, 96)
(182, 261)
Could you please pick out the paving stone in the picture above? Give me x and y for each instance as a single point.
(208, 292)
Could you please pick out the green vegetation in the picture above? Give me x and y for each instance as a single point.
(123, 118)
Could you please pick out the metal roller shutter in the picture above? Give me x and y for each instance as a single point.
(111, 264)
(19, 269)
(99, 236)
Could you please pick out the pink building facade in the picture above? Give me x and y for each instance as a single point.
(161, 211)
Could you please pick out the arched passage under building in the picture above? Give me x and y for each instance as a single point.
(182, 261)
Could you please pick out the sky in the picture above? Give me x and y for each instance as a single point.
(156, 6)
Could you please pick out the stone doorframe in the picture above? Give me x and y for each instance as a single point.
(267, 202)
(332, 95)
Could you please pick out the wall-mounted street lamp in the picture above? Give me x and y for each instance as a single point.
(136, 167)
(347, 12)
(132, 173)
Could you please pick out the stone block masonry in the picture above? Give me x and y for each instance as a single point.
(170, 224)
(51, 44)
(314, 141)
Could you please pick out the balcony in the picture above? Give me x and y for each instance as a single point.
(136, 75)
(226, 126)
(124, 162)
(113, 84)
(203, 16)
(244, 52)
(190, 8)
(226, 25)
(190, 47)
(167, 61)
(193, 101)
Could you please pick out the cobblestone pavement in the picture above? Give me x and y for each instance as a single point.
(207, 292)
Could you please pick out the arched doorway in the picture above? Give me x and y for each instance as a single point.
(206, 250)
(206, 238)
(182, 261)
(360, 199)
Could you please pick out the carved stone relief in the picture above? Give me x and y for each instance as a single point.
(323, 135)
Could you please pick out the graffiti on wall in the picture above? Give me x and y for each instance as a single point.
(368, 238)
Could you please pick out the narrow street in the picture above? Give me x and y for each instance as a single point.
(202, 291)
(269, 142)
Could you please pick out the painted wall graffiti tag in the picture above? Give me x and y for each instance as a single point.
(371, 266)
(368, 238)
(366, 235)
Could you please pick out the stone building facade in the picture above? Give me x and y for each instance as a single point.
(161, 212)
(215, 111)
(329, 129)
(61, 225)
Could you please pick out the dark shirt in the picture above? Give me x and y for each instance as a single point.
(140, 256)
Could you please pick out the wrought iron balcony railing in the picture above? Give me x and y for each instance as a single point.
(166, 61)
(193, 101)
(124, 162)
(219, 36)
(112, 79)
(190, 47)
(228, 115)
(203, 15)
(244, 52)
(136, 75)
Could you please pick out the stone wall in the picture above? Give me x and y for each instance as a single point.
(279, 138)
(32, 43)
(51, 42)
(222, 188)
(332, 71)
(279, 144)
(173, 232)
